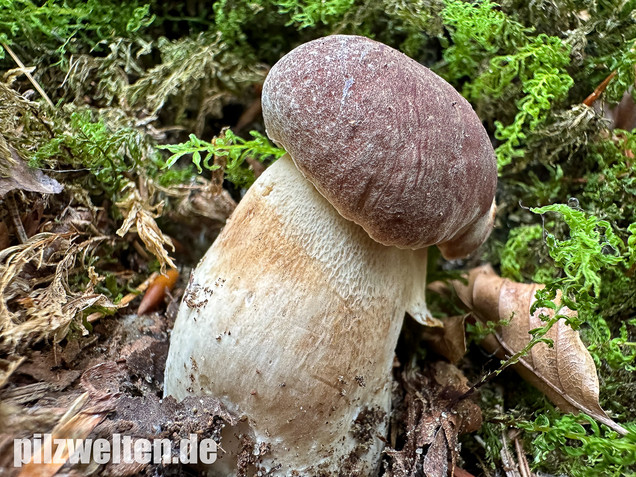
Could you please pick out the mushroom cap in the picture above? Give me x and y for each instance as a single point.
(391, 145)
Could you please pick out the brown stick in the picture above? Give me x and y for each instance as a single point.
(24, 69)
(599, 90)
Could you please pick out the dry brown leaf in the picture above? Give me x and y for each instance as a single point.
(450, 339)
(16, 174)
(75, 424)
(201, 199)
(141, 215)
(565, 373)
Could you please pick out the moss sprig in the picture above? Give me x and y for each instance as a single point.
(234, 150)
(590, 449)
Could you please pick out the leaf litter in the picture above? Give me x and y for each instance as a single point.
(36, 301)
(432, 415)
(559, 364)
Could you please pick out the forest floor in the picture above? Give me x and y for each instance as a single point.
(129, 131)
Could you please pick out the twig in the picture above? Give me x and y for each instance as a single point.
(524, 468)
(15, 217)
(513, 358)
(510, 467)
(599, 90)
(35, 84)
(140, 250)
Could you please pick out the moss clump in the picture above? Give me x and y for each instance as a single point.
(564, 439)
(53, 31)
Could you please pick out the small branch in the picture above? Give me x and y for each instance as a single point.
(589, 101)
(524, 467)
(513, 359)
(15, 217)
(510, 467)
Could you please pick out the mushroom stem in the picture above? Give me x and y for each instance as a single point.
(291, 320)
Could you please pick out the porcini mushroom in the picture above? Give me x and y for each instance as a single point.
(292, 317)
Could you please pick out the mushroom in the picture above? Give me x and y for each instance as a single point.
(292, 317)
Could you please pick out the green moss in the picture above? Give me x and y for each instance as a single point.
(590, 247)
(231, 149)
(61, 28)
(111, 154)
(553, 151)
(308, 14)
(610, 184)
(198, 71)
(478, 32)
(259, 29)
(501, 59)
(586, 451)
(518, 259)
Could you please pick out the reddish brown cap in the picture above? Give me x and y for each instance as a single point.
(389, 143)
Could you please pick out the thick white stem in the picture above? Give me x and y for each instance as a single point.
(291, 319)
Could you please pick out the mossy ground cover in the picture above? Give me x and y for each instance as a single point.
(103, 96)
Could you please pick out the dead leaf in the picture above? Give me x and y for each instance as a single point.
(216, 207)
(201, 200)
(16, 174)
(75, 424)
(141, 215)
(434, 419)
(565, 373)
(450, 339)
